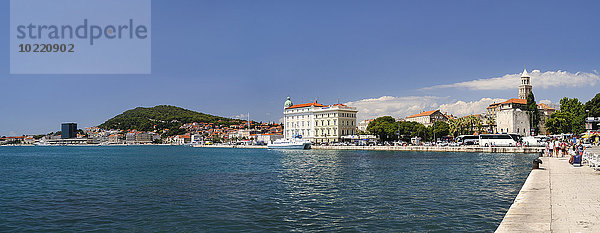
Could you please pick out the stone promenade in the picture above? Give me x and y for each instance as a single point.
(556, 198)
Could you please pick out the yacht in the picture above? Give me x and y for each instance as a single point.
(293, 143)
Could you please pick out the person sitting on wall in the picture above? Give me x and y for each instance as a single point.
(576, 159)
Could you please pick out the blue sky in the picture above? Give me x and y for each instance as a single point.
(232, 57)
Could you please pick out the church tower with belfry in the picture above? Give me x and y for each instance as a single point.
(525, 86)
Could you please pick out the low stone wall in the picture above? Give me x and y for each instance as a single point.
(231, 146)
(438, 148)
(407, 148)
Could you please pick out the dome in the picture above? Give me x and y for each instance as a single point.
(288, 103)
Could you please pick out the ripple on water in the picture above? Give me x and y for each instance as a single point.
(150, 188)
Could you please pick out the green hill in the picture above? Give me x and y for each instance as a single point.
(161, 117)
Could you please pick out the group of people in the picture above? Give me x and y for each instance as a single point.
(564, 148)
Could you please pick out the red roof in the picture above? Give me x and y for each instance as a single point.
(546, 107)
(428, 113)
(306, 105)
(493, 105)
(510, 101)
(515, 101)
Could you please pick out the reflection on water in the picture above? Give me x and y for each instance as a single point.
(191, 189)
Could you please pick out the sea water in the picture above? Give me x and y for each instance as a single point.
(186, 189)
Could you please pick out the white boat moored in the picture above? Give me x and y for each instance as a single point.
(294, 143)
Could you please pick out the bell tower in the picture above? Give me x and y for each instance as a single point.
(525, 86)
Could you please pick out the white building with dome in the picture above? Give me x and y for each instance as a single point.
(317, 122)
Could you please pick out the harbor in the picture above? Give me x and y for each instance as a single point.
(558, 197)
(475, 149)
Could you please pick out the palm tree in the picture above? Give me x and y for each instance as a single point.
(490, 121)
(478, 124)
(453, 126)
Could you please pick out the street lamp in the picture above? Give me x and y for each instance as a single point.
(586, 120)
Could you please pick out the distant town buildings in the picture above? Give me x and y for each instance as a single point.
(427, 118)
(68, 130)
(319, 123)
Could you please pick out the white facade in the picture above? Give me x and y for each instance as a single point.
(299, 122)
(513, 120)
(333, 122)
(319, 123)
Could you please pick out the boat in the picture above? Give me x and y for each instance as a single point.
(294, 143)
(41, 143)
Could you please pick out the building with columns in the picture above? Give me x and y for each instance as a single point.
(317, 122)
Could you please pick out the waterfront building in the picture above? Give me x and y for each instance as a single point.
(115, 139)
(197, 139)
(318, 122)
(137, 137)
(362, 125)
(68, 130)
(512, 117)
(428, 118)
(545, 112)
(333, 122)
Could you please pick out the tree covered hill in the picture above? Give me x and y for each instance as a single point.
(161, 117)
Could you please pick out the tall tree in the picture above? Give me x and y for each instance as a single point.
(490, 121)
(594, 106)
(534, 114)
(385, 127)
(440, 129)
(569, 119)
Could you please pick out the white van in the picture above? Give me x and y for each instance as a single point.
(496, 140)
(534, 141)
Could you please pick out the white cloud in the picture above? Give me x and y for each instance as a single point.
(550, 103)
(462, 108)
(539, 79)
(241, 116)
(408, 105)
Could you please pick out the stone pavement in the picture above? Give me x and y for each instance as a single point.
(556, 198)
